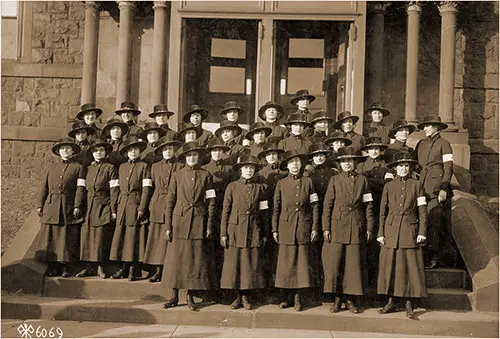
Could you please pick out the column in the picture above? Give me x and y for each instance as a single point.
(413, 11)
(124, 51)
(90, 44)
(448, 10)
(159, 71)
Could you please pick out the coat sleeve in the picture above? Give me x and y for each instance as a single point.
(226, 210)
(44, 190)
(265, 213)
(316, 226)
(80, 189)
(170, 202)
(328, 205)
(370, 220)
(147, 189)
(447, 155)
(422, 212)
(276, 207)
(383, 212)
(114, 188)
(211, 204)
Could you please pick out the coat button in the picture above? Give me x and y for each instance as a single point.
(296, 209)
(248, 212)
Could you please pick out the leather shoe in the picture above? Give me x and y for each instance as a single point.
(100, 272)
(156, 277)
(409, 311)
(297, 302)
(236, 303)
(83, 273)
(131, 273)
(65, 273)
(336, 306)
(171, 302)
(190, 303)
(246, 303)
(53, 270)
(390, 307)
(284, 304)
(353, 308)
(119, 274)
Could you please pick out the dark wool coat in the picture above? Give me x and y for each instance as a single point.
(102, 193)
(321, 178)
(279, 131)
(378, 129)
(133, 130)
(236, 150)
(96, 134)
(149, 156)
(357, 140)
(204, 136)
(270, 175)
(239, 139)
(375, 171)
(115, 157)
(254, 149)
(161, 174)
(395, 147)
(296, 142)
(222, 174)
(318, 137)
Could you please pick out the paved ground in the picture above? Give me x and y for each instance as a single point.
(72, 329)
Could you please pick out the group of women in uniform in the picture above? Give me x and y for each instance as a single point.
(292, 206)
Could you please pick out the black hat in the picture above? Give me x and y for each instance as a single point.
(194, 108)
(130, 142)
(374, 142)
(343, 116)
(398, 124)
(99, 143)
(226, 124)
(292, 154)
(114, 121)
(65, 142)
(128, 107)
(229, 106)
(256, 127)
(271, 104)
(302, 94)
(432, 120)
(400, 157)
(184, 127)
(88, 108)
(79, 125)
(247, 159)
(160, 109)
(151, 126)
(319, 148)
(190, 147)
(339, 135)
(347, 152)
(376, 106)
(321, 115)
(165, 141)
(217, 143)
(270, 147)
(296, 118)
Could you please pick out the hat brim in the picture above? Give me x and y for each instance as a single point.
(320, 151)
(203, 113)
(263, 153)
(346, 140)
(74, 146)
(107, 147)
(291, 122)
(347, 157)
(262, 111)
(160, 147)
(309, 96)
(219, 130)
(141, 144)
(135, 112)
(394, 163)
(90, 131)
(379, 145)
(322, 119)
(267, 130)
(392, 132)
(237, 167)
(441, 125)
(154, 114)
(106, 129)
(224, 147)
(234, 108)
(303, 157)
(201, 151)
(385, 112)
(161, 132)
(338, 124)
(98, 113)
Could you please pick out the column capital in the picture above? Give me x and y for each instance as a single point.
(126, 5)
(92, 4)
(378, 7)
(414, 7)
(447, 6)
(159, 4)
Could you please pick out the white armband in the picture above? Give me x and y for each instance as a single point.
(421, 201)
(209, 194)
(447, 157)
(263, 205)
(114, 183)
(367, 197)
(388, 175)
(313, 198)
(80, 182)
(147, 182)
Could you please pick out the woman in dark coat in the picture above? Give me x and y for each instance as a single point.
(189, 216)
(129, 239)
(60, 204)
(81, 132)
(295, 225)
(102, 196)
(403, 229)
(161, 174)
(244, 227)
(114, 131)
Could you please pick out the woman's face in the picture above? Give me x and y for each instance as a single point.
(115, 132)
(81, 135)
(153, 136)
(227, 134)
(271, 114)
(297, 129)
(192, 158)
(133, 153)
(161, 119)
(99, 153)
(319, 158)
(336, 144)
(403, 169)
(430, 130)
(89, 117)
(127, 116)
(347, 165)
(272, 157)
(247, 171)
(303, 104)
(321, 126)
(347, 125)
(294, 165)
(232, 115)
(168, 152)
(216, 154)
(190, 135)
(402, 134)
(373, 152)
(195, 119)
(259, 137)
(377, 116)
(65, 152)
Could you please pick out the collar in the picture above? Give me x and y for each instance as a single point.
(192, 168)
(84, 142)
(274, 123)
(376, 124)
(133, 161)
(113, 142)
(300, 136)
(435, 135)
(216, 162)
(247, 181)
(95, 162)
(403, 178)
(351, 133)
(169, 161)
(306, 111)
(67, 161)
(377, 159)
(295, 176)
(153, 144)
(131, 123)
(231, 142)
(398, 142)
(274, 166)
(320, 133)
(350, 174)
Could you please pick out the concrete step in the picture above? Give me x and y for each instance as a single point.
(447, 299)
(432, 322)
(445, 278)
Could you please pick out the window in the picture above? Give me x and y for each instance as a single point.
(227, 69)
(9, 29)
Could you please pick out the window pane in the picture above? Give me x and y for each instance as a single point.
(9, 38)
(228, 48)
(307, 48)
(310, 78)
(9, 8)
(227, 79)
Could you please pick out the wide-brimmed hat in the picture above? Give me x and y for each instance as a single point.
(432, 120)
(184, 127)
(257, 127)
(402, 156)
(160, 109)
(247, 159)
(321, 115)
(88, 108)
(229, 106)
(127, 106)
(114, 121)
(65, 142)
(226, 124)
(398, 124)
(302, 94)
(270, 146)
(343, 116)
(130, 142)
(217, 143)
(194, 108)
(318, 148)
(271, 104)
(347, 152)
(292, 154)
(377, 106)
(374, 142)
(190, 147)
(166, 141)
(99, 143)
(296, 118)
(79, 125)
(339, 135)
(151, 126)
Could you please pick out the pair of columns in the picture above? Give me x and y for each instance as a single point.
(125, 41)
(447, 10)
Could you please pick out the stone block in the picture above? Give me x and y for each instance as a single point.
(11, 171)
(24, 149)
(492, 132)
(57, 7)
(6, 156)
(58, 16)
(17, 161)
(8, 101)
(75, 46)
(70, 97)
(56, 41)
(44, 83)
(29, 83)
(13, 84)
(39, 6)
(5, 117)
(62, 83)
(77, 59)
(66, 27)
(53, 122)
(76, 11)
(22, 106)
(77, 83)
(492, 96)
(15, 118)
(47, 93)
(62, 58)
(32, 119)
(42, 56)
(491, 81)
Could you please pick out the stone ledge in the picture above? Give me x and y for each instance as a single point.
(484, 146)
(17, 69)
(25, 133)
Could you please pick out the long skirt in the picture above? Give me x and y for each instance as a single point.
(401, 272)
(59, 243)
(343, 267)
(243, 269)
(156, 247)
(95, 242)
(190, 264)
(128, 243)
(295, 267)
